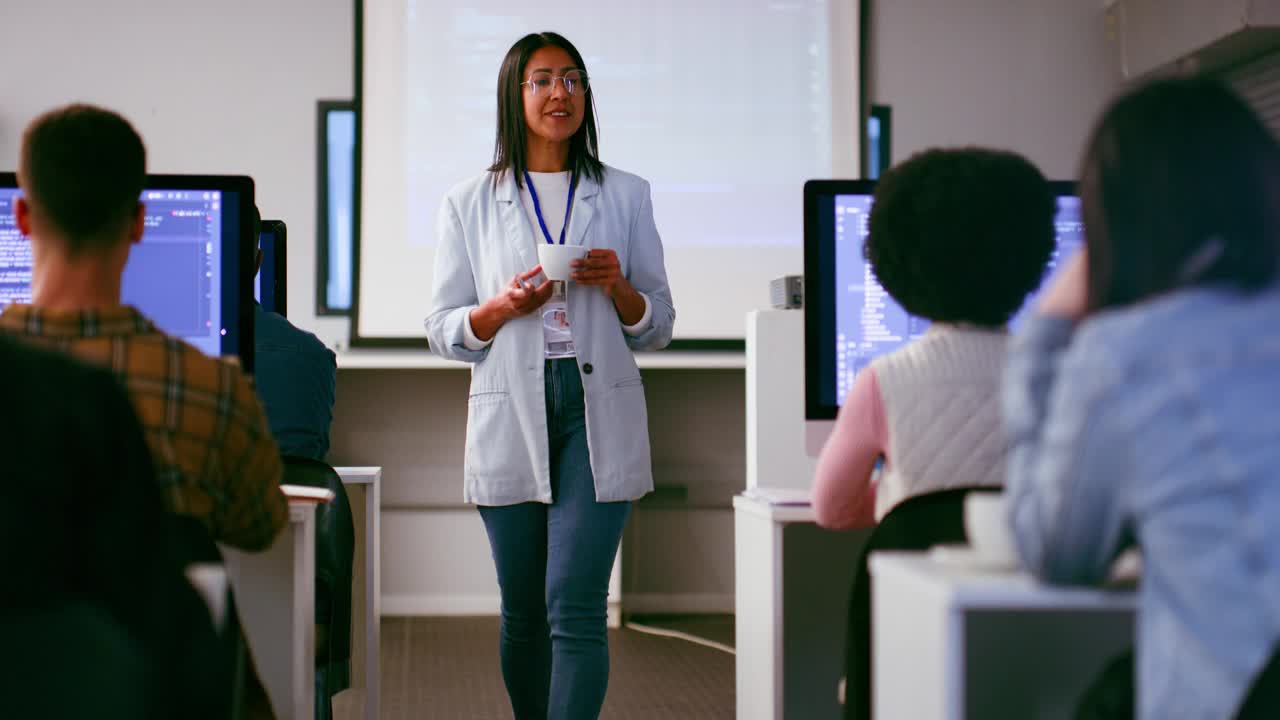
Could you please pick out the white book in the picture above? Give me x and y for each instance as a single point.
(798, 497)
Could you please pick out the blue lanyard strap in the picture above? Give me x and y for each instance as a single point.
(537, 207)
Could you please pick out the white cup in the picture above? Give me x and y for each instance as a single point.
(555, 259)
(987, 527)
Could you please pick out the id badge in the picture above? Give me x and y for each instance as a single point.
(556, 331)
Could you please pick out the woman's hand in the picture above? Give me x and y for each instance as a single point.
(521, 297)
(601, 268)
(1067, 295)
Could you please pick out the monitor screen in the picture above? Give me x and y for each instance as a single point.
(850, 319)
(15, 252)
(189, 272)
(269, 284)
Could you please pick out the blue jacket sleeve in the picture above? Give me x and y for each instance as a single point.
(453, 295)
(1067, 462)
(329, 394)
(647, 272)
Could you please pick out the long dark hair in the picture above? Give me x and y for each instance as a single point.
(1179, 187)
(509, 147)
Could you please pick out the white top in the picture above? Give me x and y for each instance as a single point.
(941, 396)
(553, 197)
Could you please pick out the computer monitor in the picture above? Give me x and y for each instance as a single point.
(849, 318)
(269, 283)
(192, 273)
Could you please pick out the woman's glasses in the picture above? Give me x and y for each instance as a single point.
(544, 83)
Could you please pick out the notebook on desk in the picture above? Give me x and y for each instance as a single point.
(790, 497)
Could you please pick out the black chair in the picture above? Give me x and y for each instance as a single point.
(73, 660)
(917, 523)
(194, 545)
(335, 550)
(1263, 698)
(1112, 694)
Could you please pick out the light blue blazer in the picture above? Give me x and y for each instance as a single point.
(485, 238)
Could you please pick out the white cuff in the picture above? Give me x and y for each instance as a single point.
(643, 323)
(469, 338)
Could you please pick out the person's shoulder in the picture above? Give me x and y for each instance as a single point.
(191, 368)
(26, 366)
(274, 328)
(1188, 326)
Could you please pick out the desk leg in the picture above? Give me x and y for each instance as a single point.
(304, 622)
(614, 618)
(916, 654)
(758, 616)
(365, 607)
(275, 598)
(373, 597)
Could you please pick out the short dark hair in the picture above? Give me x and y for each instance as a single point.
(961, 235)
(509, 147)
(1179, 187)
(83, 168)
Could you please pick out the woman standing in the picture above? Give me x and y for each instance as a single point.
(557, 433)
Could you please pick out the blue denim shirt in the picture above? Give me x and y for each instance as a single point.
(1159, 425)
(296, 377)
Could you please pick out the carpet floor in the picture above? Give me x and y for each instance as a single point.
(448, 668)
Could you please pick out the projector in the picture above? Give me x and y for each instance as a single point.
(787, 292)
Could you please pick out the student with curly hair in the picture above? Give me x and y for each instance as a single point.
(959, 237)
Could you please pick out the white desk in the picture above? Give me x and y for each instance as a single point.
(791, 582)
(950, 643)
(366, 582)
(275, 598)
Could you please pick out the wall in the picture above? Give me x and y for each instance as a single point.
(222, 87)
(1154, 34)
(678, 549)
(1026, 75)
(231, 87)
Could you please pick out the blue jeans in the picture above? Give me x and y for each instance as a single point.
(553, 566)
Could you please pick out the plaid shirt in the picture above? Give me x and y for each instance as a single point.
(214, 454)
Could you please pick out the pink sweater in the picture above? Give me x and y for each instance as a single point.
(844, 493)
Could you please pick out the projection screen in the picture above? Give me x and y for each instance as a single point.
(725, 106)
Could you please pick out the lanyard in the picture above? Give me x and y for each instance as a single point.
(537, 207)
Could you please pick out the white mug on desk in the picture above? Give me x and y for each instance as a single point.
(987, 526)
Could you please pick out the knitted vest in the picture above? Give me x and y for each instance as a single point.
(941, 396)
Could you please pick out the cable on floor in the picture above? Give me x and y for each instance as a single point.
(664, 632)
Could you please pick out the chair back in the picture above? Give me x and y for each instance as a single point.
(917, 523)
(1263, 698)
(335, 550)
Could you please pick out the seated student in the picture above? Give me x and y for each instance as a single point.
(81, 170)
(94, 595)
(1141, 400)
(959, 237)
(296, 377)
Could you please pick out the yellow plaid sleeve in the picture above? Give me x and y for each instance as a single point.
(255, 510)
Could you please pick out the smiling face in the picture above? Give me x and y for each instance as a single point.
(552, 114)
